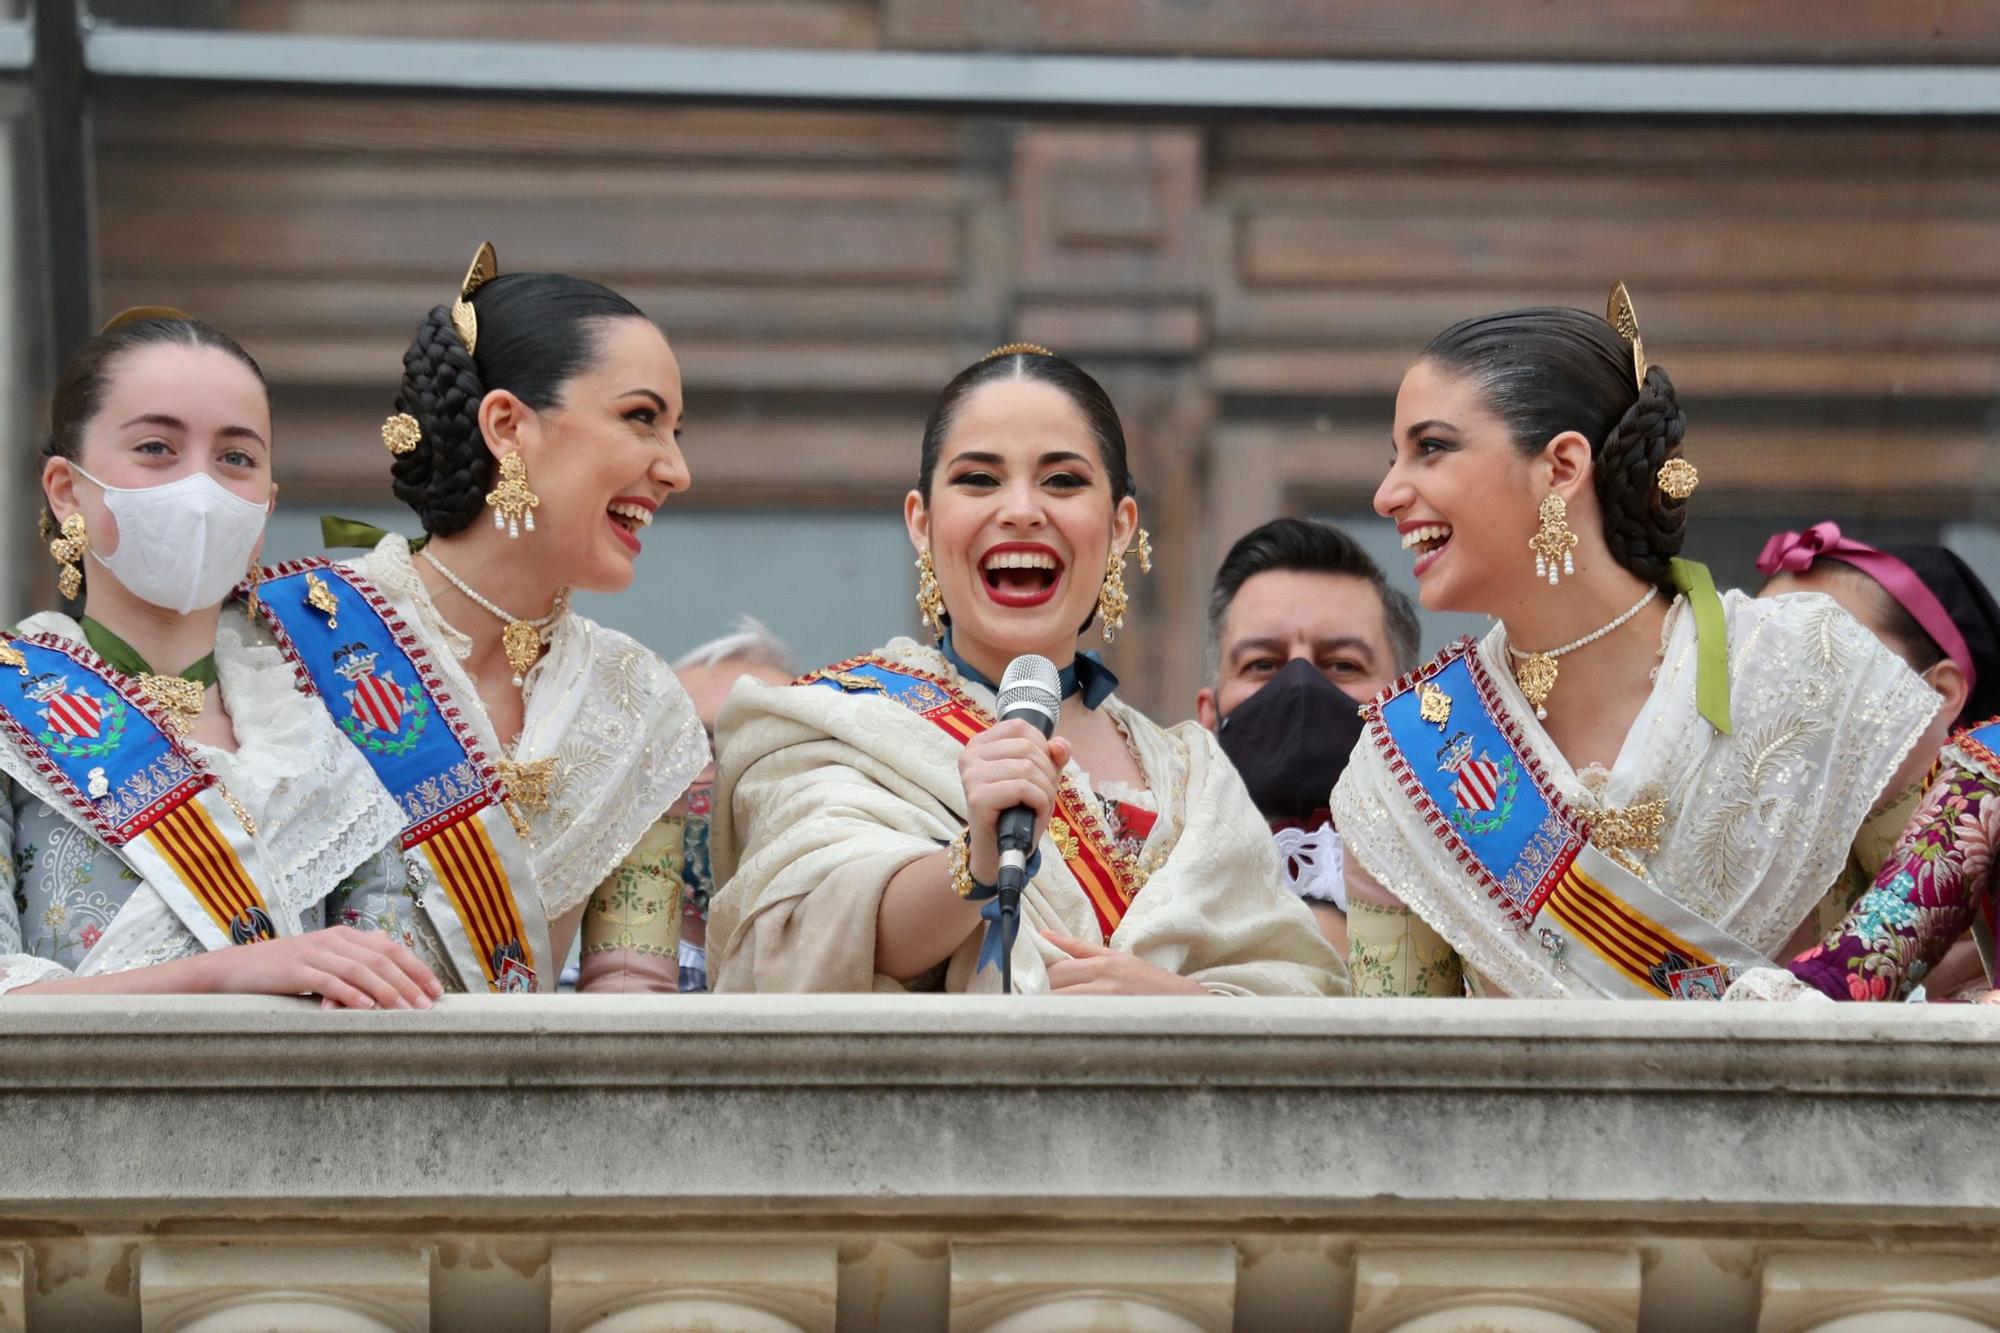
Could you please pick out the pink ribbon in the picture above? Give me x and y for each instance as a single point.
(1795, 552)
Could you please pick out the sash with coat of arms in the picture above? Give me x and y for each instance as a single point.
(352, 649)
(1459, 757)
(78, 729)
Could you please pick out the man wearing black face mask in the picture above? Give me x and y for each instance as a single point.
(1302, 630)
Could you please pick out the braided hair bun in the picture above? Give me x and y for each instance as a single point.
(446, 477)
(536, 332)
(1548, 369)
(1643, 525)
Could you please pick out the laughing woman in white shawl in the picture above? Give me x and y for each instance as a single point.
(177, 806)
(855, 813)
(536, 433)
(1631, 787)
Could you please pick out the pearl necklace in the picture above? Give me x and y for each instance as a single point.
(1537, 671)
(522, 640)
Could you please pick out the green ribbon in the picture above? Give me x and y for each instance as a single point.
(352, 534)
(1711, 677)
(126, 658)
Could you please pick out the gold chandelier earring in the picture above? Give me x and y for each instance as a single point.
(68, 550)
(512, 502)
(930, 597)
(1554, 541)
(1112, 600)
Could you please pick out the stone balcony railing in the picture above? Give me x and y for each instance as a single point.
(1161, 1166)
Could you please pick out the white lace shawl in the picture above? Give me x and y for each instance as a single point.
(320, 813)
(1758, 822)
(822, 796)
(623, 732)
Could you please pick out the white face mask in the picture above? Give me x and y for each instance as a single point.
(182, 545)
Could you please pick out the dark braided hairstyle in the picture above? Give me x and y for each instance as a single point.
(1549, 369)
(536, 330)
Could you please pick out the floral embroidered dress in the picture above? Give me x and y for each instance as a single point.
(323, 824)
(1746, 830)
(1937, 883)
(618, 742)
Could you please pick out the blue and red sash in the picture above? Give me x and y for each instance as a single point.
(1108, 880)
(76, 726)
(352, 649)
(1459, 757)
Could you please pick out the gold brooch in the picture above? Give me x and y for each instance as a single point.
(179, 700)
(531, 784)
(1433, 704)
(320, 598)
(401, 433)
(13, 657)
(1065, 839)
(1678, 478)
(1636, 828)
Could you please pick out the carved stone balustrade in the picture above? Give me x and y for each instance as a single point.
(785, 1163)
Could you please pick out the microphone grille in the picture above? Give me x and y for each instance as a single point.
(1031, 679)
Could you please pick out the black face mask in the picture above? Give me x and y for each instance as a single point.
(1291, 739)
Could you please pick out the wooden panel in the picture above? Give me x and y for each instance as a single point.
(384, 128)
(1942, 31)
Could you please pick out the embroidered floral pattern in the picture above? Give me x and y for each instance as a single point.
(1923, 899)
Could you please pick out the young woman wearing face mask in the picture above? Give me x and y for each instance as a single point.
(536, 433)
(855, 813)
(1632, 787)
(1912, 899)
(178, 808)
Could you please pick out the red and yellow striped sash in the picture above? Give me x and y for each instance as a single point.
(474, 878)
(187, 839)
(1636, 945)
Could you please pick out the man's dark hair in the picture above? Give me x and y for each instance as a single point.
(1308, 547)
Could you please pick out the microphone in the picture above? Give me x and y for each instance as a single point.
(1031, 691)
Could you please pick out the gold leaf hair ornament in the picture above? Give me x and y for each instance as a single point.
(464, 320)
(1677, 477)
(1622, 317)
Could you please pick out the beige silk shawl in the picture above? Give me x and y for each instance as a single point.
(1757, 823)
(623, 733)
(822, 796)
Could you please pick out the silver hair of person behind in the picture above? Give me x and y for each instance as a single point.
(749, 641)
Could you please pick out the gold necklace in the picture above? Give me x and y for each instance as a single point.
(522, 639)
(1537, 671)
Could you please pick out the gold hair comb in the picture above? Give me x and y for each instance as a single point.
(464, 321)
(1620, 315)
(133, 314)
(1017, 349)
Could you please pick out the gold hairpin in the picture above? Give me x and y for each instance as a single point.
(1620, 315)
(401, 433)
(1017, 349)
(133, 314)
(1678, 478)
(464, 321)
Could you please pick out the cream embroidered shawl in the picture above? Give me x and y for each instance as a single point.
(1758, 822)
(623, 732)
(822, 796)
